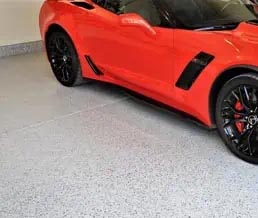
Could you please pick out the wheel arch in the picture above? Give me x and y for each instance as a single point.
(58, 28)
(53, 28)
(221, 80)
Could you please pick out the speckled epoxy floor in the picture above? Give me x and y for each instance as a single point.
(94, 151)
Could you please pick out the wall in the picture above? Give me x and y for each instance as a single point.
(19, 21)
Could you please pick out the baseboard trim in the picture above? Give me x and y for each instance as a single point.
(22, 48)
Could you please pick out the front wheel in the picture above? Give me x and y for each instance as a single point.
(64, 59)
(237, 116)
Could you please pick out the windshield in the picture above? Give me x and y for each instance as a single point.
(205, 13)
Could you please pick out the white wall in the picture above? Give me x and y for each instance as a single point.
(19, 21)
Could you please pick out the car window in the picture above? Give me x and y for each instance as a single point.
(147, 9)
(194, 14)
(144, 8)
(110, 5)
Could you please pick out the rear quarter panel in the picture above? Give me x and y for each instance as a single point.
(63, 13)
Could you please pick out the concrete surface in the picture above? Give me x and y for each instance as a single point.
(21, 48)
(94, 151)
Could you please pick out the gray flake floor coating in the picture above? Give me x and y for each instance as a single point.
(94, 151)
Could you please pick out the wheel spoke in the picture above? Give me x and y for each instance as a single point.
(242, 100)
(249, 142)
(246, 94)
(235, 95)
(233, 121)
(241, 139)
(254, 99)
(63, 74)
(60, 45)
(67, 74)
(61, 66)
(233, 109)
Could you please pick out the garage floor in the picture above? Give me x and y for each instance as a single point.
(94, 151)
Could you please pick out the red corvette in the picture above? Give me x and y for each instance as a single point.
(198, 56)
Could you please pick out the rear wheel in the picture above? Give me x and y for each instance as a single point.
(237, 116)
(64, 59)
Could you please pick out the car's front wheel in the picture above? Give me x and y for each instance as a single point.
(237, 116)
(64, 59)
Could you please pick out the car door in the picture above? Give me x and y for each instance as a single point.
(97, 28)
(129, 53)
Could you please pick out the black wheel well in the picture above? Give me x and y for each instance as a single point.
(54, 28)
(219, 83)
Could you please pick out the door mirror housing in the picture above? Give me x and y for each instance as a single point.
(135, 20)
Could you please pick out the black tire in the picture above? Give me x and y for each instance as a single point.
(237, 116)
(64, 59)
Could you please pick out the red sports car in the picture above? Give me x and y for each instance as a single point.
(198, 56)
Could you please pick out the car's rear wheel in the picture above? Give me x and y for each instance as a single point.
(237, 116)
(64, 59)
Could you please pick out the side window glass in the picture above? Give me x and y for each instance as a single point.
(110, 5)
(147, 9)
(144, 8)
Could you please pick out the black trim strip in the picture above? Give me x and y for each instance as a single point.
(193, 70)
(84, 5)
(93, 66)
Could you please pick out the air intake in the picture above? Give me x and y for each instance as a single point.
(84, 5)
(193, 70)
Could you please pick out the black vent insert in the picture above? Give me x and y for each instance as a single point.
(84, 5)
(93, 66)
(193, 70)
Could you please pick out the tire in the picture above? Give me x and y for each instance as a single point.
(64, 59)
(237, 116)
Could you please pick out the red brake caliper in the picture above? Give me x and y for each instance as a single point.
(240, 125)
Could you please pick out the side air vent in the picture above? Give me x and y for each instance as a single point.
(93, 66)
(193, 70)
(84, 5)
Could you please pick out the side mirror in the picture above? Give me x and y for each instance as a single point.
(135, 20)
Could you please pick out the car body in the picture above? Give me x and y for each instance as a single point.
(181, 66)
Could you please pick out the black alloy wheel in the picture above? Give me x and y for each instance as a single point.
(237, 116)
(64, 59)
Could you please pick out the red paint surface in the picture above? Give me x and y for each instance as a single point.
(151, 63)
